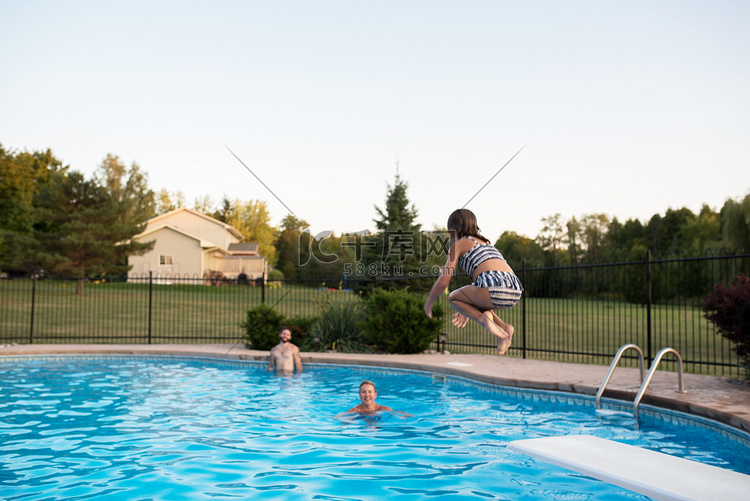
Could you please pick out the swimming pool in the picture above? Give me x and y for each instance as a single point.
(120, 427)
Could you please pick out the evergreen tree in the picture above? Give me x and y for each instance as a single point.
(398, 248)
(84, 230)
(398, 215)
(222, 214)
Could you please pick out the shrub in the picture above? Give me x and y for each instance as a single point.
(300, 327)
(728, 307)
(262, 326)
(396, 322)
(275, 274)
(338, 329)
(214, 278)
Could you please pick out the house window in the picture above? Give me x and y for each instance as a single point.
(165, 260)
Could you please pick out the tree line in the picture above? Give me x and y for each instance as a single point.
(597, 238)
(53, 218)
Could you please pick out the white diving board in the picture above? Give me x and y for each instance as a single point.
(653, 474)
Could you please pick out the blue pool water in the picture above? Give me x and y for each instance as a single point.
(181, 428)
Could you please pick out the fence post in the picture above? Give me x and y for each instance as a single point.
(523, 310)
(150, 289)
(648, 307)
(33, 301)
(260, 281)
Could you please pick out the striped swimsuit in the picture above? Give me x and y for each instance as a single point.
(505, 288)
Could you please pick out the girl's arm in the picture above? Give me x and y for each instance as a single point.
(443, 280)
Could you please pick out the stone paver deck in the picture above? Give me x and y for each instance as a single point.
(708, 396)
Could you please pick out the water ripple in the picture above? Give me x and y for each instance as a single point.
(140, 428)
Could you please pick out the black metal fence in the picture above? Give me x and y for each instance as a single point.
(577, 313)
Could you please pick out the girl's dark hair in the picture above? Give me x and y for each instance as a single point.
(464, 223)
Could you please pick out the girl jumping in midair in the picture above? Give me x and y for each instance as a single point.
(495, 285)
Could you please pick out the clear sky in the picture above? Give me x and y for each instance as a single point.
(626, 108)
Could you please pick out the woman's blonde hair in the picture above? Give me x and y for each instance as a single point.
(464, 223)
(367, 381)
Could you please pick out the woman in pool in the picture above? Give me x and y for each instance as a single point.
(368, 407)
(494, 287)
(367, 395)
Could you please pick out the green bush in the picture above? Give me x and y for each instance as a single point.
(396, 322)
(338, 329)
(300, 327)
(728, 307)
(262, 326)
(275, 274)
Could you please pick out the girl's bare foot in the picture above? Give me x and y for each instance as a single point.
(499, 321)
(503, 345)
(488, 322)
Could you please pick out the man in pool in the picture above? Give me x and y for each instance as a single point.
(285, 356)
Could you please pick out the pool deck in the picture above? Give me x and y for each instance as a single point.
(708, 396)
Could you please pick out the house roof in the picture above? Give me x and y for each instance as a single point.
(205, 244)
(243, 248)
(226, 226)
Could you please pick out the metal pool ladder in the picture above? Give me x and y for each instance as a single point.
(647, 380)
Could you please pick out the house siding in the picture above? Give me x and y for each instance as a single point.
(185, 251)
(197, 244)
(213, 231)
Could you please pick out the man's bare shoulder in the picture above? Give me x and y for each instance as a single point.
(285, 348)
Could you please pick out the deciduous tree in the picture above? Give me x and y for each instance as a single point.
(291, 251)
(551, 236)
(128, 187)
(252, 219)
(22, 176)
(702, 231)
(167, 202)
(517, 248)
(735, 222)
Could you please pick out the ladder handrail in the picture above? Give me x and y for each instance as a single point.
(613, 366)
(651, 371)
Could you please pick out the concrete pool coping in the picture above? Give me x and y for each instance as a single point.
(711, 397)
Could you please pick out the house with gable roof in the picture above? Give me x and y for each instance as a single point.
(194, 245)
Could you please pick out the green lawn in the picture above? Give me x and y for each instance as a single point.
(563, 329)
(575, 330)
